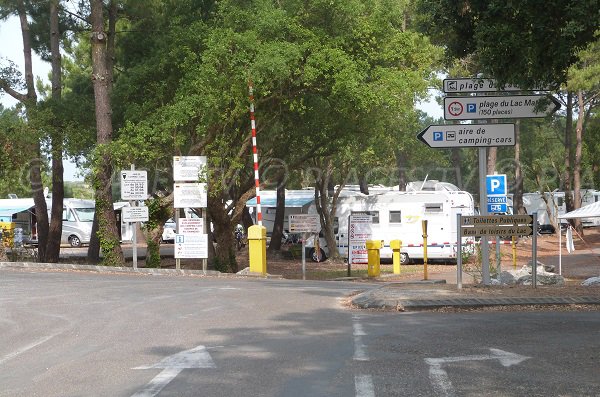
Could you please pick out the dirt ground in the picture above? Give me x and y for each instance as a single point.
(577, 266)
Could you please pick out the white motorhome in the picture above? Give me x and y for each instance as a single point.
(397, 216)
(78, 216)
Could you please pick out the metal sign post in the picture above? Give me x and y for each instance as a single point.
(306, 224)
(459, 252)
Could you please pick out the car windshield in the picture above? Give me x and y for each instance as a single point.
(85, 214)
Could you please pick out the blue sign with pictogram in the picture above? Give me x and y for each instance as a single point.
(496, 194)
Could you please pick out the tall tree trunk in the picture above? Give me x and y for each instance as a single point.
(492, 156)
(363, 184)
(107, 224)
(401, 165)
(569, 153)
(58, 186)
(35, 174)
(577, 164)
(224, 259)
(327, 209)
(518, 207)
(277, 234)
(455, 156)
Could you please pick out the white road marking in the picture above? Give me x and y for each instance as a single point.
(360, 351)
(363, 385)
(25, 348)
(439, 377)
(197, 357)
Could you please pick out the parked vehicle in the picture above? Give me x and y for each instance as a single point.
(78, 217)
(398, 215)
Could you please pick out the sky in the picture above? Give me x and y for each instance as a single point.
(12, 49)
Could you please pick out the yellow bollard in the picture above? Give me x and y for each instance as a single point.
(373, 247)
(395, 245)
(257, 246)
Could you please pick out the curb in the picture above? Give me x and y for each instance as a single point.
(110, 269)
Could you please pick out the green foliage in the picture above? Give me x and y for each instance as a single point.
(523, 42)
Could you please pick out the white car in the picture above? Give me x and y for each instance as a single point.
(168, 234)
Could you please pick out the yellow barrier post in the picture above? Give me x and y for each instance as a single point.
(395, 246)
(424, 225)
(373, 247)
(257, 246)
(514, 251)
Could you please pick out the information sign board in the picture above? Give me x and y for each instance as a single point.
(188, 168)
(304, 223)
(135, 214)
(190, 226)
(134, 185)
(189, 195)
(359, 231)
(191, 246)
(475, 220)
(499, 107)
(467, 85)
(494, 230)
(468, 135)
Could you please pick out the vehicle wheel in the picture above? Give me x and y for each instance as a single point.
(75, 242)
(320, 257)
(404, 259)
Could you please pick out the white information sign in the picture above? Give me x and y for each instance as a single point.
(135, 214)
(304, 223)
(468, 135)
(466, 85)
(499, 107)
(188, 168)
(189, 195)
(191, 246)
(134, 185)
(359, 231)
(191, 226)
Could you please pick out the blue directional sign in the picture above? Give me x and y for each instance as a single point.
(497, 208)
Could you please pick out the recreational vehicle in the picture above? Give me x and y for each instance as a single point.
(397, 216)
(78, 216)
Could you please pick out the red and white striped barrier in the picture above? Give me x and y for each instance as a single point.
(255, 154)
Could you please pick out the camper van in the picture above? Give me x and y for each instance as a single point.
(397, 216)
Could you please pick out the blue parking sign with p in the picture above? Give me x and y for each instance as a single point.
(438, 135)
(496, 185)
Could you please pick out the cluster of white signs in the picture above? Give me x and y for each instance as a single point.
(484, 107)
(190, 240)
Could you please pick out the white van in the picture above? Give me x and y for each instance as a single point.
(397, 216)
(78, 217)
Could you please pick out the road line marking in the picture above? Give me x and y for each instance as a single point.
(360, 351)
(159, 382)
(26, 348)
(172, 365)
(439, 376)
(363, 384)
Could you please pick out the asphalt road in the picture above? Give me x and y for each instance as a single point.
(88, 334)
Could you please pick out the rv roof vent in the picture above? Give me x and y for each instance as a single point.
(12, 196)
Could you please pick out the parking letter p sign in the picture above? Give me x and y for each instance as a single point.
(496, 185)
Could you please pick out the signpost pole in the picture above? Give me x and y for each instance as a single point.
(458, 252)
(304, 237)
(485, 249)
(204, 231)
(534, 251)
(134, 235)
(177, 231)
